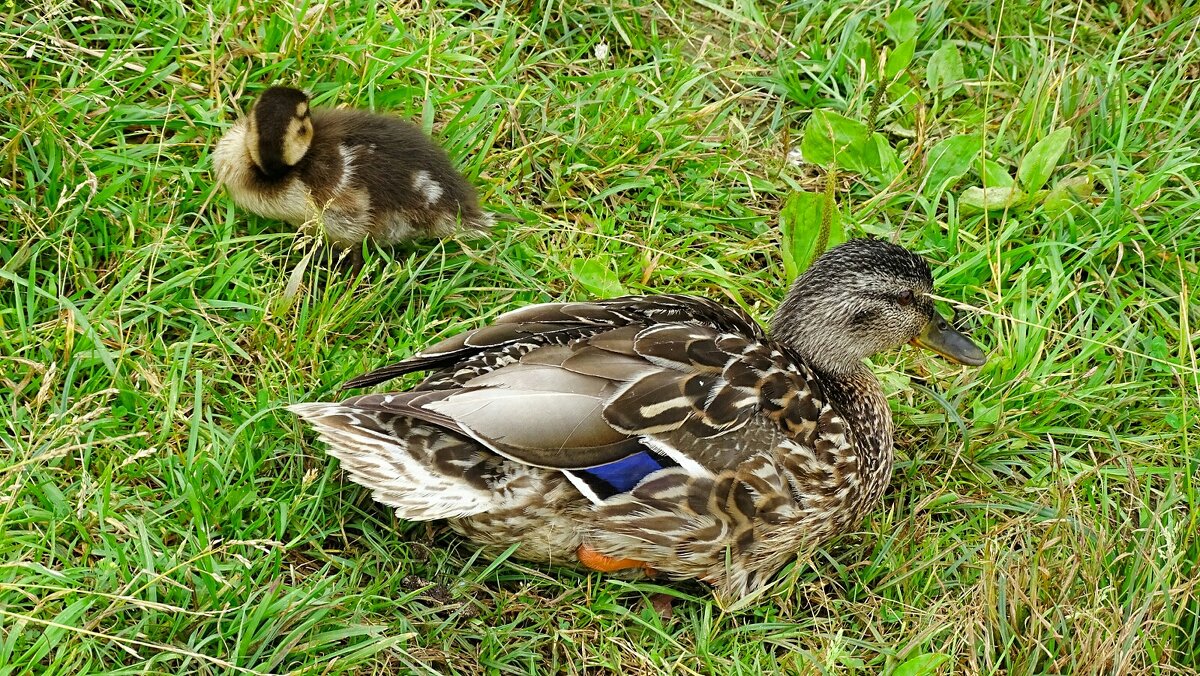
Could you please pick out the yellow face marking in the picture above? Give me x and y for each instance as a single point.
(302, 109)
(296, 140)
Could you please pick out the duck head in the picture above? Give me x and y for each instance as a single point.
(861, 298)
(279, 130)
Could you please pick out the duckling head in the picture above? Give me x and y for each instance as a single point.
(861, 298)
(279, 130)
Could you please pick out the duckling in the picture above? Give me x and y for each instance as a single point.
(665, 434)
(360, 174)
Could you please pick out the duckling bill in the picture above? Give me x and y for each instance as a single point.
(359, 174)
(665, 434)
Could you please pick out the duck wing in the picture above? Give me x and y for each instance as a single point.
(610, 392)
(455, 360)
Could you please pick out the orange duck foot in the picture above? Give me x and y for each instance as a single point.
(607, 564)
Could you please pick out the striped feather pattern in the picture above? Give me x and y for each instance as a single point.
(667, 430)
(745, 435)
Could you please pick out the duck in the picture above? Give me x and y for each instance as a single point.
(653, 435)
(358, 174)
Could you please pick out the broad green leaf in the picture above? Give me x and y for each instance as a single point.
(1066, 193)
(983, 413)
(595, 275)
(1041, 159)
(900, 131)
(945, 70)
(994, 175)
(833, 140)
(902, 25)
(949, 160)
(990, 199)
(899, 58)
(861, 50)
(904, 99)
(922, 665)
(1157, 347)
(800, 226)
(1079, 186)
(887, 163)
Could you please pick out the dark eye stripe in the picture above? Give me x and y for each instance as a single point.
(863, 316)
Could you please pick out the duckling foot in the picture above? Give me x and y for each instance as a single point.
(607, 564)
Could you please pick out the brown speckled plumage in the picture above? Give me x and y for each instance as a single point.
(353, 173)
(740, 450)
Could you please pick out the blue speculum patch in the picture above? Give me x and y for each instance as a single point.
(625, 473)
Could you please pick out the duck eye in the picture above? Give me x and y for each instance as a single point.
(905, 297)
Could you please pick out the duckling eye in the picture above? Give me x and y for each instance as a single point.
(905, 298)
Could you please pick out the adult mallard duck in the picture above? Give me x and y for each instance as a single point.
(360, 174)
(666, 433)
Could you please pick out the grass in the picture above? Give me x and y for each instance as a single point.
(160, 513)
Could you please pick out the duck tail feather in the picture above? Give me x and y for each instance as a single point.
(420, 470)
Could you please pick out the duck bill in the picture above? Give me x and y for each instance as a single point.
(939, 337)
